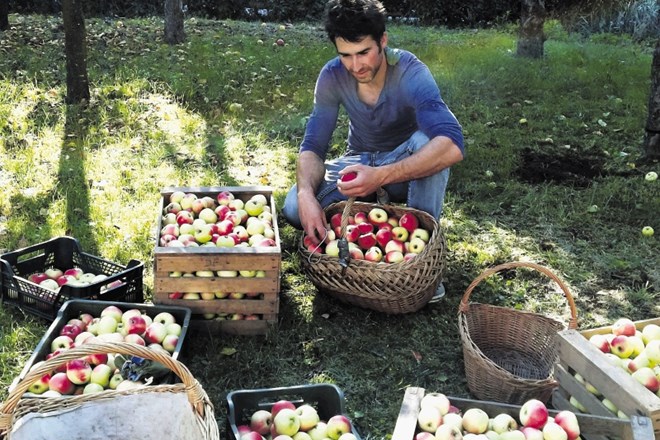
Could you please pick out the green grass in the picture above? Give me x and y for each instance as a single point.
(227, 109)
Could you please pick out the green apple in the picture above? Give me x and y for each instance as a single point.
(287, 422)
(101, 375)
(647, 231)
(254, 207)
(92, 388)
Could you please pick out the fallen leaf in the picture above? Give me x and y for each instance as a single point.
(416, 355)
(228, 351)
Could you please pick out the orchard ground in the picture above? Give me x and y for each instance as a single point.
(551, 176)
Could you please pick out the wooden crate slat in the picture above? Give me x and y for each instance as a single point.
(576, 389)
(216, 259)
(249, 328)
(244, 306)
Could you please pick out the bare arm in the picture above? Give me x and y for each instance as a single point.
(309, 174)
(439, 153)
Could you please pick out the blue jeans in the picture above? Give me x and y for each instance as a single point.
(426, 194)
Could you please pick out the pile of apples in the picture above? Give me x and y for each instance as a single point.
(438, 419)
(637, 352)
(224, 221)
(53, 278)
(97, 372)
(375, 236)
(285, 421)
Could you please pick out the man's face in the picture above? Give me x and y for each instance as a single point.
(362, 59)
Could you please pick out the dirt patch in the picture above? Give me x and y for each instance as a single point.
(567, 167)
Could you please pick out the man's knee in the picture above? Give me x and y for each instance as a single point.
(290, 208)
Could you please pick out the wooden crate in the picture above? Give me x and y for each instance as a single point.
(578, 355)
(638, 428)
(192, 259)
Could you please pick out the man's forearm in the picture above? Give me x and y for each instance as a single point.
(439, 153)
(309, 173)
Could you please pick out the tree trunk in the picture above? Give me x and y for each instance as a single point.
(75, 48)
(652, 138)
(4, 15)
(174, 33)
(531, 38)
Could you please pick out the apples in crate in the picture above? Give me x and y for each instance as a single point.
(53, 278)
(190, 220)
(636, 351)
(440, 420)
(82, 322)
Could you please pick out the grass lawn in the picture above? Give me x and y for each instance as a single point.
(551, 176)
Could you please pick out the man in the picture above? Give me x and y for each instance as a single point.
(402, 137)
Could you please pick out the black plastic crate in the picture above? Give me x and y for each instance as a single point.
(64, 253)
(74, 308)
(328, 400)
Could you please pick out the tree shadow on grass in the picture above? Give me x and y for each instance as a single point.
(72, 183)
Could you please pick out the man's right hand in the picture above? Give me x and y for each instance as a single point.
(312, 218)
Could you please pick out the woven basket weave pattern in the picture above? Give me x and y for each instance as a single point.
(509, 355)
(385, 287)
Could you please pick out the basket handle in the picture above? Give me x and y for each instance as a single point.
(464, 306)
(193, 388)
(345, 214)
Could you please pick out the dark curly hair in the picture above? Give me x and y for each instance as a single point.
(352, 20)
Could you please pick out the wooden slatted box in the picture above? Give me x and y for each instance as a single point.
(263, 310)
(578, 355)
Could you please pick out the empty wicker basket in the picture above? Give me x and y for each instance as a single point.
(509, 354)
(393, 288)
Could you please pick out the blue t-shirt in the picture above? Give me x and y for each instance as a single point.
(410, 101)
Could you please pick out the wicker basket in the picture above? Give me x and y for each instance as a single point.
(18, 411)
(392, 288)
(509, 355)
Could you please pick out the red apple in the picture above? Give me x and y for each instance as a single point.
(78, 371)
(409, 221)
(335, 220)
(60, 382)
(38, 277)
(352, 233)
(569, 422)
(365, 241)
(533, 413)
(365, 227)
(281, 404)
(360, 217)
(383, 236)
(349, 176)
(624, 326)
